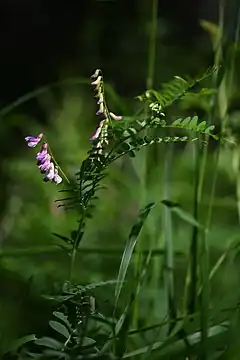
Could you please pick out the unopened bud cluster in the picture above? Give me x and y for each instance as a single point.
(101, 132)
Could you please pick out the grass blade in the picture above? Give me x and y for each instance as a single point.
(171, 347)
(127, 255)
(122, 320)
(168, 235)
(181, 213)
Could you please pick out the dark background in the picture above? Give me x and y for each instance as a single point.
(38, 38)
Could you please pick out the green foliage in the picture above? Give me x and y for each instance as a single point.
(118, 138)
(77, 328)
(115, 139)
(175, 89)
(193, 125)
(176, 295)
(75, 306)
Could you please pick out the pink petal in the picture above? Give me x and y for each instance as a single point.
(115, 117)
(57, 178)
(50, 174)
(42, 157)
(98, 131)
(45, 166)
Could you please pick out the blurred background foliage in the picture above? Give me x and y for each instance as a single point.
(61, 44)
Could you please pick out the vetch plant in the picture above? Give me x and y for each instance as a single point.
(116, 136)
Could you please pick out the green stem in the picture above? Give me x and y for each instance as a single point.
(73, 258)
(167, 229)
(220, 105)
(144, 177)
(152, 45)
(35, 93)
(38, 250)
(236, 167)
(191, 281)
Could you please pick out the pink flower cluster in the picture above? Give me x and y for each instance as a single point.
(44, 160)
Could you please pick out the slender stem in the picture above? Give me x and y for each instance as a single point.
(220, 105)
(191, 280)
(144, 175)
(236, 167)
(167, 228)
(35, 93)
(55, 249)
(152, 45)
(224, 93)
(73, 258)
(236, 157)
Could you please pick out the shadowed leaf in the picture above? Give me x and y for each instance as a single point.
(183, 214)
(61, 329)
(49, 342)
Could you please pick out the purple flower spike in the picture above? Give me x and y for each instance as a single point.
(50, 174)
(97, 132)
(32, 141)
(57, 178)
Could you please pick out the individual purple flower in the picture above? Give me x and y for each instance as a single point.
(50, 173)
(45, 165)
(43, 159)
(57, 178)
(98, 131)
(41, 156)
(32, 141)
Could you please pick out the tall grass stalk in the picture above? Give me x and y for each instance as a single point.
(220, 107)
(236, 150)
(217, 107)
(168, 237)
(145, 163)
(152, 45)
(192, 274)
(225, 90)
